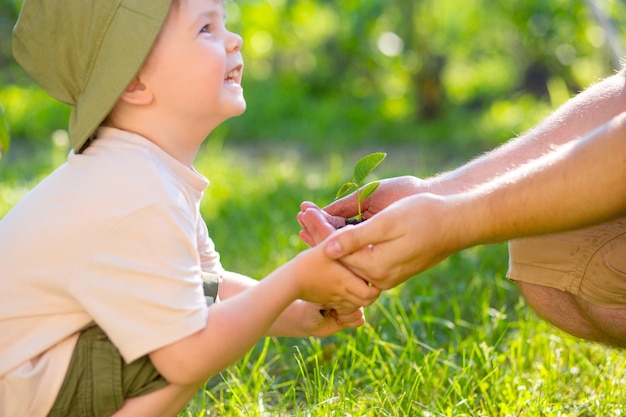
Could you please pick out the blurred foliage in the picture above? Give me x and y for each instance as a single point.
(5, 139)
(425, 71)
(9, 70)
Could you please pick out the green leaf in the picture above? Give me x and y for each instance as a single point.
(5, 138)
(368, 189)
(346, 189)
(366, 165)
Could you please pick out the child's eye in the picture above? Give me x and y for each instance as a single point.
(206, 28)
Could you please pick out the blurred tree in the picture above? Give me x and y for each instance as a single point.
(407, 59)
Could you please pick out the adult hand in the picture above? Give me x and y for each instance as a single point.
(335, 214)
(406, 238)
(389, 190)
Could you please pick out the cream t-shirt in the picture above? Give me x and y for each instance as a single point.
(113, 236)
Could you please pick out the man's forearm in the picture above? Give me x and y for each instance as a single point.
(574, 119)
(580, 184)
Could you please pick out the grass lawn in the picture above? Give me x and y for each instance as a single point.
(456, 341)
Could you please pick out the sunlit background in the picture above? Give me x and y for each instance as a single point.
(318, 72)
(430, 82)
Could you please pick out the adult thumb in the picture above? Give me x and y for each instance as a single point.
(345, 241)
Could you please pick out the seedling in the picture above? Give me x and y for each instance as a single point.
(362, 169)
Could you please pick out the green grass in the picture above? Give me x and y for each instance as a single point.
(456, 341)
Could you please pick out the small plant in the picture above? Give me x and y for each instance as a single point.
(362, 169)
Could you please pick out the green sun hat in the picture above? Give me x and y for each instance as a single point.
(85, 53)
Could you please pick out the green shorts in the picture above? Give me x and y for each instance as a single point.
(98, 380)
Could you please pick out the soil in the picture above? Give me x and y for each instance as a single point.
(352, 221)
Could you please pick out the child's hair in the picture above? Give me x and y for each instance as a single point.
(100, 47)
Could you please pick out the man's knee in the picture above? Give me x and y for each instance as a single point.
(576, 280)
(559, 308)
(576, 316)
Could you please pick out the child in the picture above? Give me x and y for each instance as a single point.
(106, 267)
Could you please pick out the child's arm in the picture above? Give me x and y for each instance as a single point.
(235, 324)
(301, 318)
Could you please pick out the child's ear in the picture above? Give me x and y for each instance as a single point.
(137, 93)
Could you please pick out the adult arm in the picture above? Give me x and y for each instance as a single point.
(583, 113)
(580, 115)
(578, 184)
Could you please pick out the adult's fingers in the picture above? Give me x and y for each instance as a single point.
(362, 293)
(352, 239)
(389, 191)
(345, 207)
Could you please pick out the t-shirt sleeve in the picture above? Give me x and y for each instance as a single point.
(143, 283)
(209, 257)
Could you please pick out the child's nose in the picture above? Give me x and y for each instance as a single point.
(234, 42)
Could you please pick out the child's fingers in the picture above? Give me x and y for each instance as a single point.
(346, 310)
(355, 318)
(317, 224)
(307, 205)
(306, 238)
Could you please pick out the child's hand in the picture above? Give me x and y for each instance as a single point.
(302, 319)
(324, 281)
(322, 321)
(316, 224)
(349, 317)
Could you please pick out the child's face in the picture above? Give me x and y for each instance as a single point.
(195, 66)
